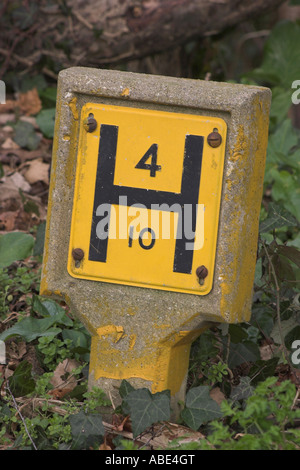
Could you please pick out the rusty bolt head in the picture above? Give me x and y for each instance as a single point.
(77, 254)
(214, 139)
(90, 124)
(201, 272)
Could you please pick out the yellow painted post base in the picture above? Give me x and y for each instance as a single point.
(164, 366)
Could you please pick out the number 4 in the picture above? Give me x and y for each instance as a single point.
(153, 167)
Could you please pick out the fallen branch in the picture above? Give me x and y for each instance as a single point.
(110, 32)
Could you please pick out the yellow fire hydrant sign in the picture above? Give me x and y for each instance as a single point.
(147, 198)
(153, 215)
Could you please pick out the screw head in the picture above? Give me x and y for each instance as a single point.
(214, 139)
(201, 272)
(77, 254)
(90, 124)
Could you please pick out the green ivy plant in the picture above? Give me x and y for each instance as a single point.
(265, 421)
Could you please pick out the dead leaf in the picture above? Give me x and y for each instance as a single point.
(105, 446)
(6, 117)
(10, 105)
(20, 182)
(23, 220)
(161, 435)
(2, 370)
(63, 381)
(119, 422)
(10, 144)
(238, 435)
(217, 395)
(23, 155)
(29, 102)
(31, 357)
(7, 129)
(11, 316)
(183, 435)
(37, 170)
(17, 350)
(58, 393)
(295, 376)
(8, 373)
(7, 221)
(266, 352)
(10, 198)
(9, 159)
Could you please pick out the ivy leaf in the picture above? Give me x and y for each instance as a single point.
(283, 268)
(45, 120)
(281, 103)
(50, 308)
(281, 63)
(25, 135)
(237, 333)
(24, 16)
(31, 328)
(285, 190)
(290, 252)
(48, 96)
(39, 239)
(200, 407)
(263, 318)
(55, 311)
(28, 83)
(38, 307)
(87, 430)
(21, 382)
(125, 388)
(204, 347)
(15, 246)
(284, 328)
(247, 351)
(146, 408)
(277, 217)
(291, 336)
(282, 141)
(262, 369)
(243, 390)
(79, 339)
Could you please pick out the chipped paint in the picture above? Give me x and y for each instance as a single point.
(116, 332)
(157, 366)
(73, 107)
(132, 340)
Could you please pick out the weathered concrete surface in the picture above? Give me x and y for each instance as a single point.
(162, 324)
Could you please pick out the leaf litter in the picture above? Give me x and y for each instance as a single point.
(25, 156)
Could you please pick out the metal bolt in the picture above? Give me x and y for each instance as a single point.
(90, 124)
(214, 139)
(201, 273)
(77, 254)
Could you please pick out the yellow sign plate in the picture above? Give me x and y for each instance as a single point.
(147, 198)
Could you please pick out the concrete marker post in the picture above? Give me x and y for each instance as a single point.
(142, 329)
